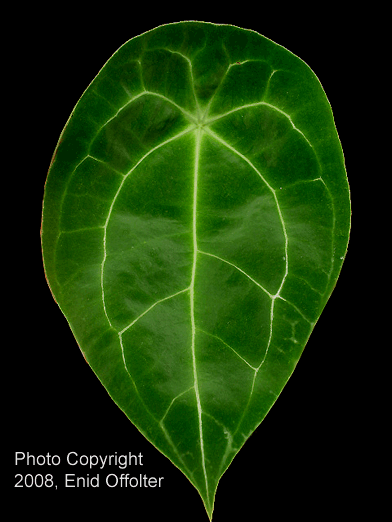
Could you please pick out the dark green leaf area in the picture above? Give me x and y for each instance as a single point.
(90, 193)
(76, 252)
(310, 220)
(209, 69)
(118, 80)
(136, 129)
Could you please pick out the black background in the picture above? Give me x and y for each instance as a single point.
(302, 459)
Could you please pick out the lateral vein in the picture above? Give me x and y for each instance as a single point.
(256, 104)
(151, 307)
(240, 270)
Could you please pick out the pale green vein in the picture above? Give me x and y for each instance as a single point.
(150, 308)
(240, 270)
(192, 303)
(173, 401)
(298, 310)
(83, 229)
(258, 104)
(146, 242)
(228, 346)
(186, 113)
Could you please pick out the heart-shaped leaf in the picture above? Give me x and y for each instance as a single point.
(195, 220)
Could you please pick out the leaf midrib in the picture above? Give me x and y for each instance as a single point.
(192, 304)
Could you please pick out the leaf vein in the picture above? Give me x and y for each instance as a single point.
(257, 104)
(187, 114)
(228, 346)
(172, 402)
(150, 308)
(192, 304)
(239, 269)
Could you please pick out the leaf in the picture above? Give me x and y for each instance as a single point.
(196, 216)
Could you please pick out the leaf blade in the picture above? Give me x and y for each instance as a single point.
(157, 191)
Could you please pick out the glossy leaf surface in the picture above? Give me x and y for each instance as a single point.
(196, 216)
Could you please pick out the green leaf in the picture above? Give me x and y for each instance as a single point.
(195, 220)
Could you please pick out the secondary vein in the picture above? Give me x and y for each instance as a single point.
(256, 104)
(186, 113)
(240, 270)
(150, 308)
